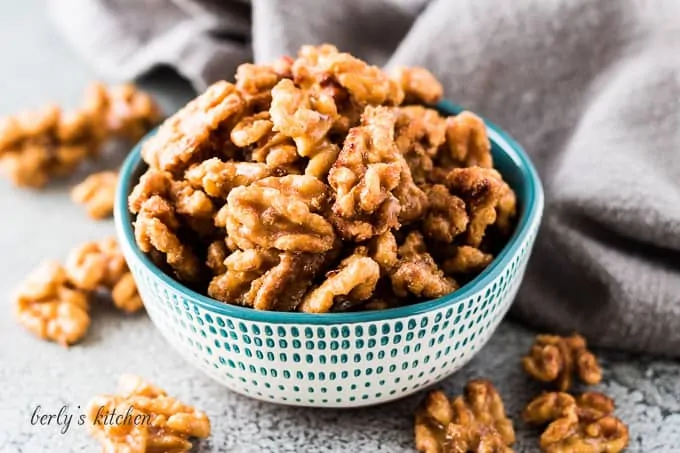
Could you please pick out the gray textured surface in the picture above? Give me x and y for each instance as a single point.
(37, 67)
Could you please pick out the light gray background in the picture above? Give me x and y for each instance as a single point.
(37, 66)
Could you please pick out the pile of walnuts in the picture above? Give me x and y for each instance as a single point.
(477, 423)
(321, 184)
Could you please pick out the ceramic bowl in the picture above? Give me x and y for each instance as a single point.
(341, 359)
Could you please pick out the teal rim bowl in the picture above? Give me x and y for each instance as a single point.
(509, 158)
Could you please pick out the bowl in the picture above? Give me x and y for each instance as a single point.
(339, 359)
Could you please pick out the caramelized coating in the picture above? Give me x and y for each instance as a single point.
(475, 422)
(481, 189)
(383, 249)
(97, 193)
(50, 307)
(417, 273)
(575, 425)
(467, 144)
(195, 132)
(304, 116)
(419, 134)
(216, 255)
(156, 229)
(364, 177)
(446, 217)
(418, 84)
(156, 422)
(217, 178)
(266, 279)
(354, 281)
(279, 213)
(556, 359)
(465, 260)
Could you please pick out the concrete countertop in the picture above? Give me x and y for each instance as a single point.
(37, 67)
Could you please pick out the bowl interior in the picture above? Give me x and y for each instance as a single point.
(509, 158)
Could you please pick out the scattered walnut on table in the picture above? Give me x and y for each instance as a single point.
(156, 422)
(50, 307)
(475, 422)
(557, 359)
(575, 425)
(97, 193)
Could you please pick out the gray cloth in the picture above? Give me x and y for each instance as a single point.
(590, 88)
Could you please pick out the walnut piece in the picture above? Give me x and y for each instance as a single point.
(218, 178)
(418, 84)
(446, 217)
(417, 273)
(196, 132)
(465, 260)
(467, 144)
(50, 307)
(419, 134)
(556, 359)
(143, 418)
(280, 213)
(354, 280)
(97, 193)
(575, 425)
(475, 422)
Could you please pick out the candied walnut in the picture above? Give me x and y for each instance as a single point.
(419, 134)
(446, 217)
(50, 307)
(506, 210)
(304, 116)
(256, 79)
(216, 254)
(475, 422)
(366, 84)
(97, 193)
(353, 281)
(323, 159)
(130, 113)
(383, 250)
(556, 359)
(149, 420)
(582, 424)
(364, 177)
(465, 260)
(196, 132)
(266, 279)
(251, 129)
(218, 178)
(481, 189)
(279, 213)
(418, 84)
(156, 228)
(467, 144)
(417, 273)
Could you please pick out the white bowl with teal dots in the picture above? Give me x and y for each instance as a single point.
(339, 359)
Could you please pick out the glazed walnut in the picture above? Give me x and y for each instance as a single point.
(354, 281)
(446, 217)
(147, 420)
(195, 132)
(465, 260)
(467, 144)
(96, 265)
(419, 134)
(574, 425)
(97, 193)
(50, 307)
(418, 84)
(218, 178)
(364, 177)
(475, 422)
(417, 273)
(281, 213)
(557, 359)
(481, 189)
